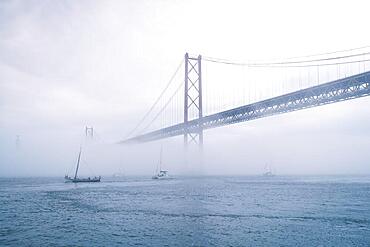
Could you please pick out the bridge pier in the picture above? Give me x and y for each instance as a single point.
(193, 100)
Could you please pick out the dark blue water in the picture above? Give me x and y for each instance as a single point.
(210, 211)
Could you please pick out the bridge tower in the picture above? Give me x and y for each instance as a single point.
(193, 99)
(89, 132)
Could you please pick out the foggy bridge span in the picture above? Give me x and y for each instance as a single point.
(341, 89)
(344, 89)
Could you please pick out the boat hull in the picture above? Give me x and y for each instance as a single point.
(161, 178)
(82, 180)
(268, 174)
(161, 175)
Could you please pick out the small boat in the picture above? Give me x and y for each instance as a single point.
(268, 172)
(118, 175)
(160, 174)
(76, 179)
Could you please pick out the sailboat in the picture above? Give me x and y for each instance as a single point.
(76, 179)
(160, 174)
(268, 172)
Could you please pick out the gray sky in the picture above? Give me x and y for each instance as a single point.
(67, 64)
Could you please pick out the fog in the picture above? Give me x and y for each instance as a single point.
(65, 65)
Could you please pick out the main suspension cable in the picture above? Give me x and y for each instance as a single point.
(157, 100)
(329, 53)
(163, 108)
(288, 63)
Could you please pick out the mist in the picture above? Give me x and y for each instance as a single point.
(66, 65)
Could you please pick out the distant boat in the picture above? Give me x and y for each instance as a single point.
(268, 172)
(159, 173)
(162, 174)
(118, 175)
(76, 179)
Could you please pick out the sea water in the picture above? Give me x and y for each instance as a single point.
(186, 211)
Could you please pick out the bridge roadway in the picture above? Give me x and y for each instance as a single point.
(331, 92)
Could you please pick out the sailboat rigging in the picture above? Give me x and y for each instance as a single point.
(76, 179)
(160, 174)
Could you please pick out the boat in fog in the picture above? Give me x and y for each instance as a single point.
(118, 175)
(268, 171)
(160, 173)
(76, 179)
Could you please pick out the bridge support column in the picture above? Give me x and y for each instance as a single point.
(193, 105)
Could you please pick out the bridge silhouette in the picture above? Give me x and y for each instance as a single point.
(354, 83)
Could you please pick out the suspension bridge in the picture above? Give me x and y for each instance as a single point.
(267, 88)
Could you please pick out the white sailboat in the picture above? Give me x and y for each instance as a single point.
(268, 171)
(160, 173)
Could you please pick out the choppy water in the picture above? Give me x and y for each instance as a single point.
(210, 211)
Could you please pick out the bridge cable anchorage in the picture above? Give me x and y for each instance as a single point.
(157, 100)
(291, 64)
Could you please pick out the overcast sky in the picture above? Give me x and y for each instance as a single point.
(68, 64)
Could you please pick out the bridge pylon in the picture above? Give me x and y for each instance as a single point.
(193, 100)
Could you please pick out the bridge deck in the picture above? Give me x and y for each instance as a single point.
(339, 90)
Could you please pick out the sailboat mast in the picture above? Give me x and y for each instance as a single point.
(78, 163)
(160, 160)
